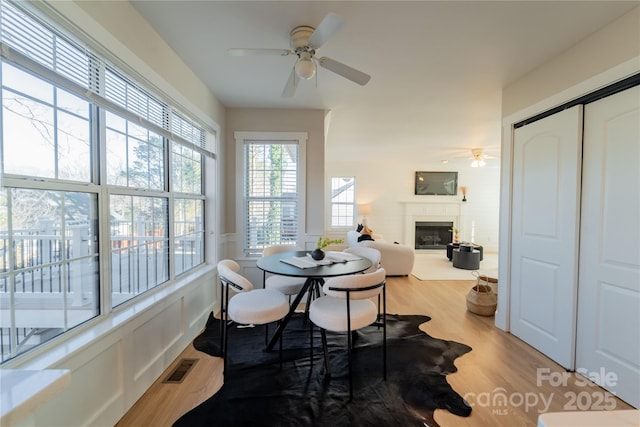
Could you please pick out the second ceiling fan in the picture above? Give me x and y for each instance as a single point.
(305, 41)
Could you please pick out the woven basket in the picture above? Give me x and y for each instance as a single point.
(489, 281)
(482, 300)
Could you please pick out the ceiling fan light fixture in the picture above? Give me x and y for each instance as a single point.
(478, 159)
(305, 68)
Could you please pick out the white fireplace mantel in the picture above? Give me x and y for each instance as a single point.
(418, 211)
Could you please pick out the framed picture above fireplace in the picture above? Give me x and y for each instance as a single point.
(434, 183)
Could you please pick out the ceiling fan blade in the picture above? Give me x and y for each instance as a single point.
(344, 70)
(246, 52)
(290, 88)
(328, 27)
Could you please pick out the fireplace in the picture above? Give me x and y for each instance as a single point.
(430, 212)
(433, 234)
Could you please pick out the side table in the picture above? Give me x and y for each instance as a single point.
(452, 246)
(466, 260)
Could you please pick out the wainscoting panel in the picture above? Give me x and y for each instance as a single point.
(197, 304)
(151, 340)
(123, 355)
(96, 387)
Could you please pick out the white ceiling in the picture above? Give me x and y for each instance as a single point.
(437, 67)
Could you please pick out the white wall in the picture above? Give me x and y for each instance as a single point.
(275, 120)
(386, 185)
(612, 45)
(113, 360)
(607, 56)
(278, 120)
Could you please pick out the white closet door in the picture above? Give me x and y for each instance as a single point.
(544, 235)
(609, 289)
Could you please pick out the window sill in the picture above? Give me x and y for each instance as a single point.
(23, 391)
(50, 355)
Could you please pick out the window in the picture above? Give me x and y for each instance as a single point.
(48, 265)
(135, 155)
(102, 185)
(187, 170)
(343, 202)
(49, 123)
(272, 189)
(139, 245)
(188, 207)
(188, 233)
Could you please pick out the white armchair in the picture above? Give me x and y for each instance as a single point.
(396, 259)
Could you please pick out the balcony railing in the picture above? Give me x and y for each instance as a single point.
(54, 283)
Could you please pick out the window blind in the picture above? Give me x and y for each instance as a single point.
(271, 194)
(33, 45)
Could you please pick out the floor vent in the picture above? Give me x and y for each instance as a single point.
(180, 371)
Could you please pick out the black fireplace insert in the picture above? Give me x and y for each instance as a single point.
(433, 234)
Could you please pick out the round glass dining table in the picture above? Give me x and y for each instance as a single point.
(315, 276)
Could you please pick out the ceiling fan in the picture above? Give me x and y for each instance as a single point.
(479, 157)
(305, 41)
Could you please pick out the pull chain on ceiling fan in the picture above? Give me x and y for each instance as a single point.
(305, 41)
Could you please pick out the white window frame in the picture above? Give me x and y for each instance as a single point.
(298, 137)
(331, 204)
(172, 124)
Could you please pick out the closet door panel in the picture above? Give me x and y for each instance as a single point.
(544, 233)
(608, 337)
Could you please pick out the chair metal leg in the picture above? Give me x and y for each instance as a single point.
(350, 361)
(225, 353)
(349, 347)
(221, 319)
(310, 346)
(280, 348)
(384, 332)
(325, 348)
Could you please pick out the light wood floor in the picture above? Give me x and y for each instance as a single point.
(500, 365)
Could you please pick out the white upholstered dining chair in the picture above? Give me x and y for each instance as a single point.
(371, 254)
(287, 285)
(348, 307)
(248, 306)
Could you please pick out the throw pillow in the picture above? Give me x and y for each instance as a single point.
(365, 234)
(363, 237)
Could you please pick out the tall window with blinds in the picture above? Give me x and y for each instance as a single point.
(343, 202)
(271, 194)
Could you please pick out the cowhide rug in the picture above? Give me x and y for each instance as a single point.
(257, 392)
